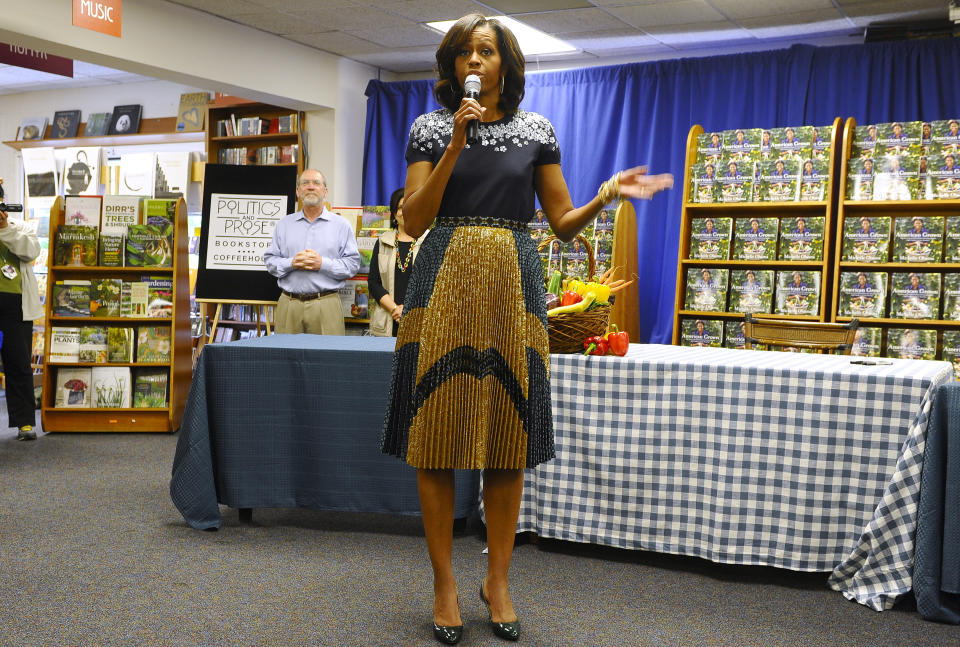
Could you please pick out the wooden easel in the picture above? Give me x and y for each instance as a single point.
(263, 322)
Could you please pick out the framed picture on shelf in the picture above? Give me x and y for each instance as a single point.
(65, 124)
(32, 128)
(125, 120)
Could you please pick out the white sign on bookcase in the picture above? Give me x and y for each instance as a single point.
(241, 230)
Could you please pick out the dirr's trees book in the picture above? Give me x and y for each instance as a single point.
(791, 142)
(751, 290)
(866, 240)
(942, 181)
(951, 350)
(64, 345)
(148, 246)
(914, 295)
(119, 212)
(801, 238)
(860, 173)
(896, 177)
(867, 342)
(862, 294)
(778, 181)
(93, 344)
(798, 292)
(105, 297)
(706, 289)
(898, 138)
(119, 344)
(82, 210)
(73, 388)
(709, 147)
(701, 332)
(742, 144)
(75, 245)
(918, 239)
(153, 344)
(71, 298)
(710, 238)
(66, 123)
(150, 388)
(814, 180)
(911, 343)
(820, 137)
(736, 181)
(951, 296)
(755, 239)
(703, 183)
(111, 387)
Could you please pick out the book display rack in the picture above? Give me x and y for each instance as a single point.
(254, 133)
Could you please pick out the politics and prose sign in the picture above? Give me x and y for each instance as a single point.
(241, 229)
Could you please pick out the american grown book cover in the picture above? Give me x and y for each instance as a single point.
(710, 238)
(709, 147)
(862, 294)
(951, 296)
(911, 343)
(942, 180)
(867, 342)
(751, 290)
(898, 138)
(866, 240)
(736, 181)
(951, 350)
(778, 181)
(742, 144)
(814, 180)
(755, 239)
(798, 292)
(791, 142)
(918, 239)
(914, 295)
(706, 289)
(945, 137)
(896, 177)
(860, 175)
(701, 332)
(703, 183)
(733, 335)
(820, 137)
(864, 141)
(801, 238)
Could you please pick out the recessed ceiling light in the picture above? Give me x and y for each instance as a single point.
(532, 41)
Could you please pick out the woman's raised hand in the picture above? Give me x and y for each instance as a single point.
(636, 183)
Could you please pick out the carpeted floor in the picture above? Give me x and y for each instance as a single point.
(95, 554)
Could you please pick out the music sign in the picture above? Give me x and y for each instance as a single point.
(241, 228)
(104, 16)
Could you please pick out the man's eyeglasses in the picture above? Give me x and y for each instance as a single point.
(312, 182)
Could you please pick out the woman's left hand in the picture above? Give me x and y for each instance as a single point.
(635, 183)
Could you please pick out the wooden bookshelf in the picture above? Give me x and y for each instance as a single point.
(218, 111)
(161, 130)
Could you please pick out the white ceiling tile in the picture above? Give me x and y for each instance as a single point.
(275, 23)
(525, 6)
(699, 33)
(337, 42)
(808, 22)
(667, 13)
(428, 10)
(401, 36)
(740, 10)
(600, 42)
(572, 20)
(221, 7)
(327, 19)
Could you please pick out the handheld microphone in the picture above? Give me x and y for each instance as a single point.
(471, 87)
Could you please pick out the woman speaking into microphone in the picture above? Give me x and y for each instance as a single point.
(470, 387)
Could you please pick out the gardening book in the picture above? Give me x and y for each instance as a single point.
(866, 240)
(736, 181)
(153, 344)
(778, 181)
(73, 388)
(706, 289)
(150, 388)
(742, 144)
(944, 137)
(703, 183)
(160, 295)
(755, 239)
(798, 292)
(911, 343)
(134, 296)
(119, 344)
(64, 345)
(867, 342)
(149, 246)
(160, 213)
(862, 294)
(801, 238)
(575, 261)
(895, 177)
(111, 250)
(751, 291)
(701, 332)
(942, 180)
(918, 239)
(111, 387)
(898, 138)
(864, 141)
(710, 238)
(75, 245)
(733, 335)
(709, 147)
(914, 295)
(82, 210)
(951, 350)
(820, 137)
(119, 212)
(814, 180)
(792, 142)
(71, 298)
(951, 296)
(93, 344)
(105, 297)
(860, 179)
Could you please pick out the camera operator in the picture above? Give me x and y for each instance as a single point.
(19, 306)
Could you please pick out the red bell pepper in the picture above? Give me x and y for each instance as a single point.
(619, 341)
(596, 345)
(569, 298)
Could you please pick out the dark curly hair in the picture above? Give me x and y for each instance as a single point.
(448, 92)
(395, 199)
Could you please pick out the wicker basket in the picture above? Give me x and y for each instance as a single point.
(568, 331)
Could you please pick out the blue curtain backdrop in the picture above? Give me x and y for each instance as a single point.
(610, 118)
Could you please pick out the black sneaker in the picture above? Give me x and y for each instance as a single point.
(26, 432)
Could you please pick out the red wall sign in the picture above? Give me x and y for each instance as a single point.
(99, 15)
(35, 60)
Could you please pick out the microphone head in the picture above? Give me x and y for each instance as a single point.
(471, 85)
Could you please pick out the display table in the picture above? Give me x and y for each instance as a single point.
(294, 421)
(800, 461)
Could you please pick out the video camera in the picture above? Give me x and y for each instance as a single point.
(8, 208)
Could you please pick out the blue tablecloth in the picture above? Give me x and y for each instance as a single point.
(936, 569)
(294, 421)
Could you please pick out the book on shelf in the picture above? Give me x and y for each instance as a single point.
(710, 147)
(703, 183)
(735, 181)
(71, 298)
(918, 239)
(575, 264)
(125, 120)
(120, 341)
(701, 332)
(366, 239)
(778, 181)
(111, 251)
(172, 175)
(710, 238)
(148, 246)
(911, 343)
(866, 240)
(288, 123)
(951, 296)
(820, 137)
(942, 177)
(944, 136)
(864, 141)
(75, 245)
(32, 128)
(153, 344)
(862, 294)
(160, 295)
(914, 295)
(734, 337)
(150, 388)
(136, 174)
(73, 388)
(192, 110)
(706, 289)
(791, 142)
(82, 210)
(866, 343)
(355, 298)
(602, 256)
(105, 297)
(64, 345)
(798, 292)
(755, 239)
(751, 290)
(93, 344)
(898, 138)
(895, 177)
(801, 238)
(951, 350)
(65, 124)
(81, 170)
(97, 124)
(814, 180)
(134, 296)
(860, 179)
(119, 212)
(160, 213)
(111, 387)
(742, 144)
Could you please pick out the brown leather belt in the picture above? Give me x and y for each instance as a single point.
(308, 296)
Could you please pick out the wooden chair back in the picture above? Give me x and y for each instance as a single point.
(819, 336)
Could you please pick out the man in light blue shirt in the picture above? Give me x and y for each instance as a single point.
(312, 254)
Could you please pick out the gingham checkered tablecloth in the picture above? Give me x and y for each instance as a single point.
(799, 461)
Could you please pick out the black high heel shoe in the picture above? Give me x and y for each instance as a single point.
(505, 630)
(448, 635)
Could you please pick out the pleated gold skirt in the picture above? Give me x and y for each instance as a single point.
(470, 387)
